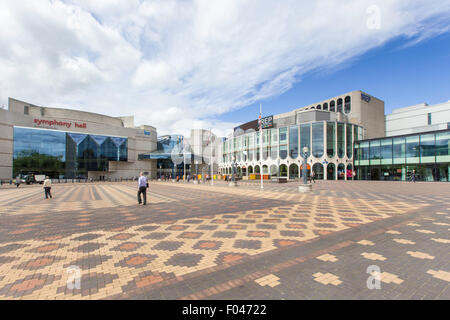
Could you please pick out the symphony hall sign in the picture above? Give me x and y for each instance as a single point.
(55, 123)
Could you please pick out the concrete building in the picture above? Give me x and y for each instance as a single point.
(328, 128)
(418, 118)
(70, 144)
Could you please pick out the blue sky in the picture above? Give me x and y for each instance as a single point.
(397, 74)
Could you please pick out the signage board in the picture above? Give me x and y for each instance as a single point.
(56, 123)
(267, 122)
(365, 97)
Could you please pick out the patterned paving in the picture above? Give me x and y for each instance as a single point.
(188, 232)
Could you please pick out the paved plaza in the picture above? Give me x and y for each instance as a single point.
(217, 242)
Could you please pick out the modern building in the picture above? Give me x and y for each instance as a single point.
(177, 155)
(395, 158)
(328, 129)
(64, 143)
(418, 119)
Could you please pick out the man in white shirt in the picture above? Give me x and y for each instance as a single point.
(142, 185)
(47, 187)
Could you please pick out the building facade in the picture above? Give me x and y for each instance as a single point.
(67, 144)
(417, 119)
(328, 129)
(395, 158)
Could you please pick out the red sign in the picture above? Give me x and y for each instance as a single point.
(56, 123)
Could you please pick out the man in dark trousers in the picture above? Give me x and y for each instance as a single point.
(142, 185)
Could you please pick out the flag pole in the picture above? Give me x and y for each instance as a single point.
(261, 144)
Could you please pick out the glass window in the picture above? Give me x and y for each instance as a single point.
(305, 137)
(412, 149)
(274, 144)
(427, 148)
(339, 105)
(443, 146)
(293, 142)
(317, 139)
(386, 151)
(364, 153)
(283, 152)
(60, 154)
(333, 106)
(399, 150)
(325, 106)
(349, 133)
(375, 152)
(331, 139)
(319, 107)
(429, 118)
(347, 107)
(283, 142)
(341, 140)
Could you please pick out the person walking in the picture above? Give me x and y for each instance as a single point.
(413, 176)
(47, 187)
(17, 181)
(312, 177)
(142, 185)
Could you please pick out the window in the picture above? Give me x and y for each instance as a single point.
(331, 137)
(57, 153)
(412, 149)
(399, 150)
(283, 143)
(293, 142)
(443, 147)
(274, 144)
(26, 110)
(305, 137)
(429, 118)
(349, 140)
(333, 106)
(386, 151)
(375, 152)
(317, 139)
(319, 107)
(427, 148)
(325, 106)
(341, 139)
(347, 107)
(339, 105)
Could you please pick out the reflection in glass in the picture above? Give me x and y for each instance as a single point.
(349, 132)
(305, 137)
(412, 149)
(317, 139)
(427, 148)
(293, 142)
(341, 140)
(331, 139)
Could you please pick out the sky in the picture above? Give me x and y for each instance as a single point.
(184, 64)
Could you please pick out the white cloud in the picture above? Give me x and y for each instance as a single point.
(180, 64)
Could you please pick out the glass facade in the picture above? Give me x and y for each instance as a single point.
(61, 154)
(395, 158)
(317, 139)
(327, 141)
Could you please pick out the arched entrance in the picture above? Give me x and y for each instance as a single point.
(318, 171)
(293, 171)
(265, 169)
(341, 171)
(250, 169)
(273, 170)
(283, 170)
(331, 171)
(257, 170)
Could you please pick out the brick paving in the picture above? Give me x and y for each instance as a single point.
(216, 242)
